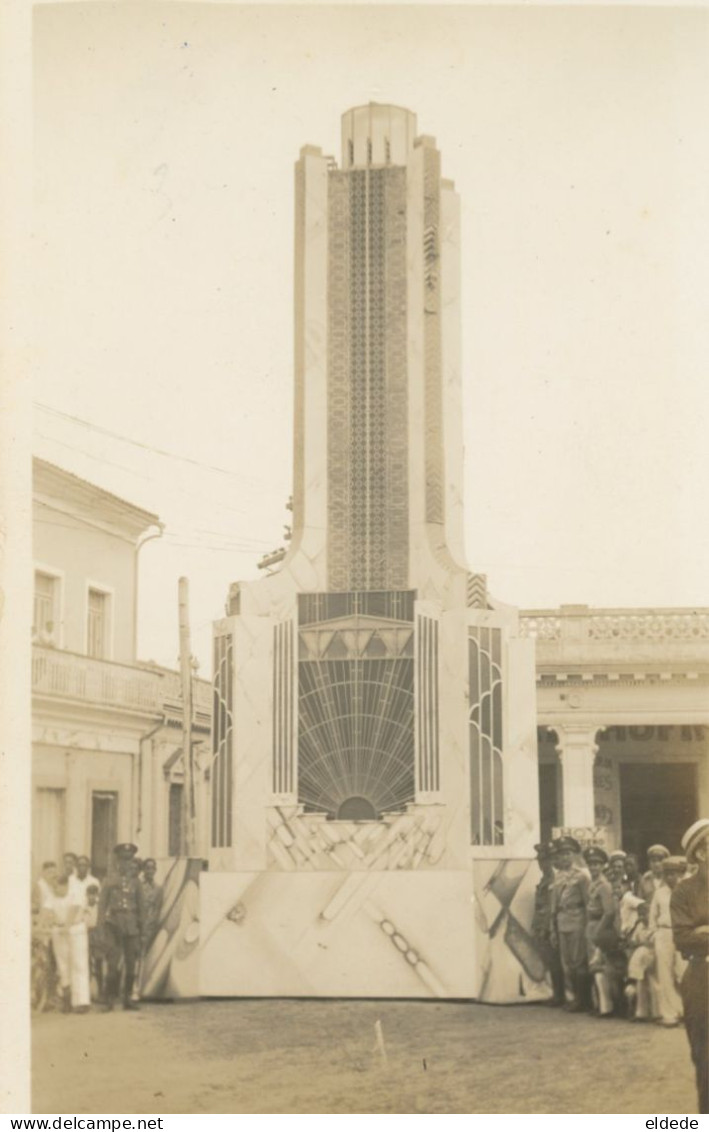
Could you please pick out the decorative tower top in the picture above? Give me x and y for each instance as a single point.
(377, 498)
(377, 134)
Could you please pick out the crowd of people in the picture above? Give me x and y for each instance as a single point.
(89, 937)
(605, 932)
(618, 942)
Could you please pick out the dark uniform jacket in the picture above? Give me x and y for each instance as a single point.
(569, 899)
(122, 905)
(689, 908)
(541, 922)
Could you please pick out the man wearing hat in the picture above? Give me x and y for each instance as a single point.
(689, 909)
(122, 919)
(600, 913)
(569, 903)
(652, 879)
(541, 922)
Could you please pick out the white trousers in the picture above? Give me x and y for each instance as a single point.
(669, 1001)
(71, 951)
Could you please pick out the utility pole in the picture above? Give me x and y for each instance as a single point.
(188, 806)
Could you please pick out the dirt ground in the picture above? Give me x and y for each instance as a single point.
(320, 1056)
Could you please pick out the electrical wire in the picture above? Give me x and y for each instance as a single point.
(146, 447)
(134, 472)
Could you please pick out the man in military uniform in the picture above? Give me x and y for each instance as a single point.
(689, 909)
(541, 923)
(600, 914)
(568, 914)
(122, 921)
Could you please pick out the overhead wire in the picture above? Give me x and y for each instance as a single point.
(135, 472)
(147, 447)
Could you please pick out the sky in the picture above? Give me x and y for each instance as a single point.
(164, 144)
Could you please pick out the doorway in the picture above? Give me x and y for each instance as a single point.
(658, 801)
(104, 830)
(549, 785)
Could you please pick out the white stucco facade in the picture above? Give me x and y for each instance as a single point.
(106, 730)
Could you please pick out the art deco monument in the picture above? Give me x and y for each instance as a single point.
(374, 784)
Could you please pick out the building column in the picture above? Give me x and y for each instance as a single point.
(577, 750)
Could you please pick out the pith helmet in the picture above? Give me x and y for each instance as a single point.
(695, 836)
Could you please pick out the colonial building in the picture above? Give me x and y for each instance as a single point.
(106, 730)
(623, 714)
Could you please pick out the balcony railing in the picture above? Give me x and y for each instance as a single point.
(586, 635)
(154, 691)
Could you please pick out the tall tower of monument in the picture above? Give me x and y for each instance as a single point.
(374, 788)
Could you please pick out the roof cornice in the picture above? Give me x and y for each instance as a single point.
(74, 496)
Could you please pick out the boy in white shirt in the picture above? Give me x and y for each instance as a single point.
(80, 881)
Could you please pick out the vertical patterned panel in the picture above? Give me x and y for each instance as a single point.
(338, 383)
(427, 762)
(283, 708)
(367, 380)
(397, 413)
(222, 742)
(375, 423)
(359, 278)
(433, 394)
(486, 737)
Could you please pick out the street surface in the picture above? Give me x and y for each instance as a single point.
(321, 1056)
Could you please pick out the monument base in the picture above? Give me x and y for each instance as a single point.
(380, 934)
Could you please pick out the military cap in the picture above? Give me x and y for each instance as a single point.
(657, 851)
(595, 853)
(617, 855)
(125, 851)
(695, 836)
(568, 843)
(674, 864)
(544, 849)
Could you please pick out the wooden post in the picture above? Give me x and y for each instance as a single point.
(188, 807)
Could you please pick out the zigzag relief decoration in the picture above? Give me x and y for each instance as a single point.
(404, 841)
(510, 965)
(477, 591)
(345, 644)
